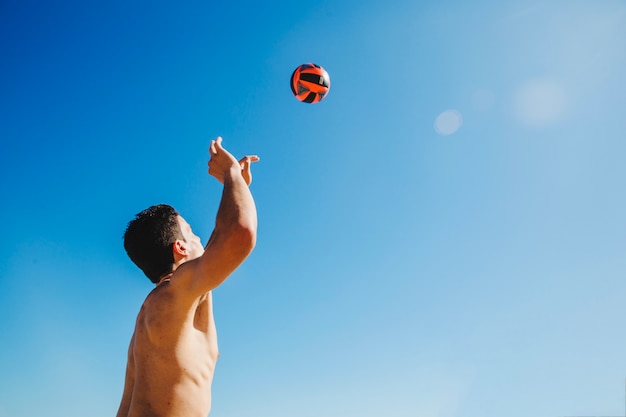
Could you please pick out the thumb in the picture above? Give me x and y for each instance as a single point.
(246, 161)
(245, 164)
(246, 172)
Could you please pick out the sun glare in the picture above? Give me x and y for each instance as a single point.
(448, 122)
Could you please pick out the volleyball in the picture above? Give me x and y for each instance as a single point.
(310, 83)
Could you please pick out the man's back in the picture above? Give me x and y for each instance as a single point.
(172, 357)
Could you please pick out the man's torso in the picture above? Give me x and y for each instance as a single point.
(172, 356)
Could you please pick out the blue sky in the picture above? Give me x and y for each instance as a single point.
(444, 235)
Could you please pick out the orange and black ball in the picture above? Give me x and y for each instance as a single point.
(310, 83)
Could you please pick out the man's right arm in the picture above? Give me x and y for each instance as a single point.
(234, 235)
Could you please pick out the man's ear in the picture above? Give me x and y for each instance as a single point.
(179, 248)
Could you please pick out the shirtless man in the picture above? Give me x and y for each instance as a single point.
(173, 351)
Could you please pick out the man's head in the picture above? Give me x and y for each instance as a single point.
(157, 239)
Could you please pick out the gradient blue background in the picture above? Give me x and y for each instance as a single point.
(398, 272)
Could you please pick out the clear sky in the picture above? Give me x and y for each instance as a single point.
(443, 236)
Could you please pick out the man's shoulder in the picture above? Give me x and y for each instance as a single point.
(161, 296)
(158, 317)
(169, 301)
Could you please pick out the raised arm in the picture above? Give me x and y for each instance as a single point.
(234, 235)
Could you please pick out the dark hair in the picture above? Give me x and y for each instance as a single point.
(149, 238)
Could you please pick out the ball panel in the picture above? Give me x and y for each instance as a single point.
(313, 87)
(318, 79)
(303, 88)
(311, 98)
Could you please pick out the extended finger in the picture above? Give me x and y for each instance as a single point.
(212, 149)
(218, 143)
(249, 159)
(246, 172)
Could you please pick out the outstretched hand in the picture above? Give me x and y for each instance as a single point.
(221, 161)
